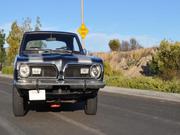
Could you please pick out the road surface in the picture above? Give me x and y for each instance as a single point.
(117, 115)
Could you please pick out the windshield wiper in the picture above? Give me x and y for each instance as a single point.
(62, 51)
(38, 50)
(50, 51)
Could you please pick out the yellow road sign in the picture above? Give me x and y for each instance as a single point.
(83, 31)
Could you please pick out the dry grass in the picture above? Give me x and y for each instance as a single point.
(131, 62)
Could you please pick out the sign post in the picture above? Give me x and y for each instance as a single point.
(82, 11)
(83, 30)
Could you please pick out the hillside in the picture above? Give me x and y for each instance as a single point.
(130, 63)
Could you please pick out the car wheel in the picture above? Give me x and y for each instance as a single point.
(19, 103)
(91, 106)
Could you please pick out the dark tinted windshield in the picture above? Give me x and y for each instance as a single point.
(50, 43)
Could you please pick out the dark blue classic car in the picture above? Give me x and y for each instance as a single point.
(53, 67)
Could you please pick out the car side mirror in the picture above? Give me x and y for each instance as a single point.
(85, 51)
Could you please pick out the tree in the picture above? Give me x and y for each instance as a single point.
(114, 45)
(2, 49)
(134, 44)
(14, 39)
(26, 26)
(125, 46)
(38, 24)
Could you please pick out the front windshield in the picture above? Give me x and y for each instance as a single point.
(50, 43)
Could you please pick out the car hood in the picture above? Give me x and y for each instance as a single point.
(65, 58)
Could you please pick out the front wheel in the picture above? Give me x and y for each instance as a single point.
(19, 103)
(91, 106)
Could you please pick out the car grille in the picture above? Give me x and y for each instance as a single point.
(73, 71)
(47, 71)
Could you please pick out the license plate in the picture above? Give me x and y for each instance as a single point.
(84, 71)
(35, 95)
(36, 71)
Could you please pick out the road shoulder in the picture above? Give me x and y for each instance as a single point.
(143, 93)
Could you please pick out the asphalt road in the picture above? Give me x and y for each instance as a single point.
(117, 115)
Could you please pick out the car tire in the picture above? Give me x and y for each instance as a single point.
(19, 103)
(91, 106)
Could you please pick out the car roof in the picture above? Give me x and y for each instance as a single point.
(50, 32)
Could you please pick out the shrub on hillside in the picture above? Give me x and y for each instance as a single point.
(166, 62)
(108, 71)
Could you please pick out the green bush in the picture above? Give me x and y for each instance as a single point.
(166, 62)
(7, 70)
(114, 78)
(108, 71)
(147, 83)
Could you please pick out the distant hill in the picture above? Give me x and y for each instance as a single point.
(130, 63)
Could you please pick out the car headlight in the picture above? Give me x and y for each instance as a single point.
(95, 71)
(24, 70)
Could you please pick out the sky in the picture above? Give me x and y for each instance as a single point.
(149, 21)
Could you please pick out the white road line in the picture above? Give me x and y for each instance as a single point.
(4, 92)
(142, 114)
(6, 83)
(78, 124)
(11, 129)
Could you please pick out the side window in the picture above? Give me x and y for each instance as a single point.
(76, 46)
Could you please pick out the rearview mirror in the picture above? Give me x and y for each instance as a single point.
(51, 39)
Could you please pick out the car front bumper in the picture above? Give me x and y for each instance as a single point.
(35, 84)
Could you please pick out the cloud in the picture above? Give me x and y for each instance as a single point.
(99, 41)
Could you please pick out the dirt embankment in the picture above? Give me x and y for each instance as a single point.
(131, 63)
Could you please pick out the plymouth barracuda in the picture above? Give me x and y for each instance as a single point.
(53, 67)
